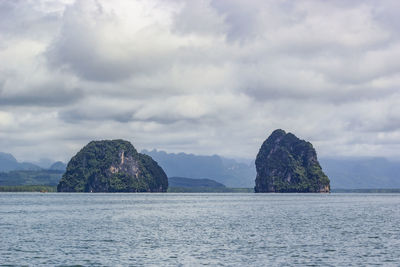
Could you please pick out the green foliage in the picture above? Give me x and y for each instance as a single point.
(112, 166)
(153, 173)
(288, 164)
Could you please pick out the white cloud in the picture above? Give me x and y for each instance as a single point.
(209, 77)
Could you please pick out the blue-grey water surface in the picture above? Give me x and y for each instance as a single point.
(199, 229)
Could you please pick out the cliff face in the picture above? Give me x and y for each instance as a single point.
(287, 164)
(112, 166)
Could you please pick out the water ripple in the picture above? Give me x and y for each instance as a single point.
(200, 229)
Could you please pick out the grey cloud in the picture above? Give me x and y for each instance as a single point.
(171, 119)
(95, 108)
(240, 17)
(88, 45)
(199, 76)
(76, 47)
(198, 17)
(21, 18)
(388, 15)
(376, 116)
(50, 95)
(324, 94)
(159, 110)
(75, 115)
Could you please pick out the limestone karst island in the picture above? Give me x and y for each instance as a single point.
(287, 164)
(284, 164)
(112, 166)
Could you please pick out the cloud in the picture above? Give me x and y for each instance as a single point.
(50, 94)
(198, 17)
(101, 44)
(208, 77)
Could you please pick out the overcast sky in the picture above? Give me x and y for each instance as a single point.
(203, 77)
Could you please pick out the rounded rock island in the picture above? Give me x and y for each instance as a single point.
(112, 166)
(287, 164)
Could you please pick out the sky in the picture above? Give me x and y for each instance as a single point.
(204, 77)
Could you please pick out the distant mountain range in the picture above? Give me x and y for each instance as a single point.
(13, 172)
(189, 182)
(189, 185)
(58, 166)
(344, 173)
(34, 177)
(226, 171)
(9, 163)
(365, 173)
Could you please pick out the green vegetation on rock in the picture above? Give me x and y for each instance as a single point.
(112, 166)
(287, 164)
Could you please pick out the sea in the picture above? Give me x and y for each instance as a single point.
(166, 229)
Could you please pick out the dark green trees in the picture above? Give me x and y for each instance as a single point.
(112, 166)
(287, 164)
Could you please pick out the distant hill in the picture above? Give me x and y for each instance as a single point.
(188, 185)
(287, 164)
(112, 166)
(188, 182)
(346, 173)
(60, 166)
(354, 173)
(43, 163)
(14, 173)
(226, 171)
(41, 177)
(9, 163)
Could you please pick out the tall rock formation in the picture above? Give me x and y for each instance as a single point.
(287, 164)
(112, 166)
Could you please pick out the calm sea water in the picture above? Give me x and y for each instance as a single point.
(200, 229)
